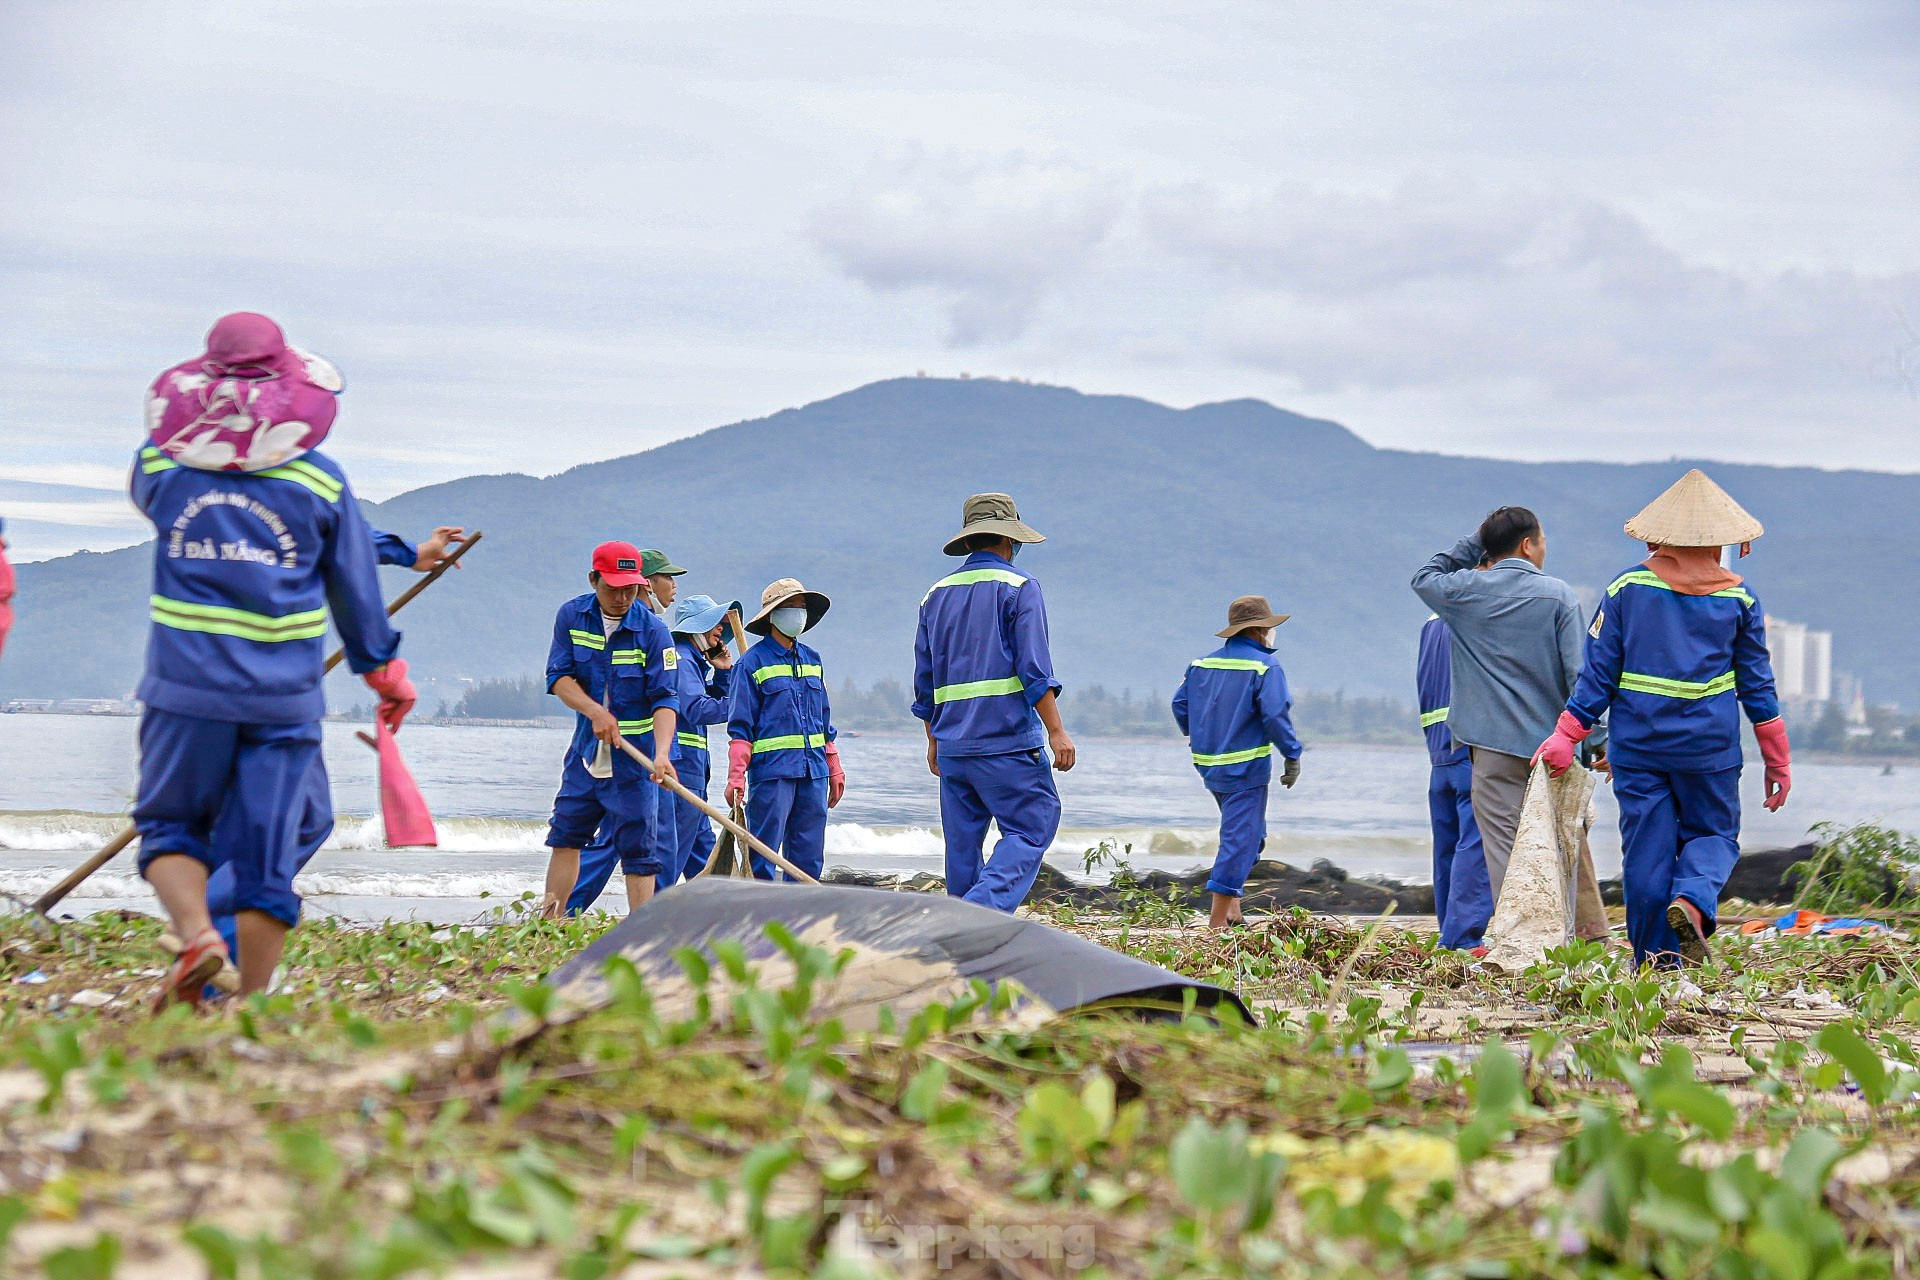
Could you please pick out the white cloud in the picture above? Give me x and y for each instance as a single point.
(990, 235)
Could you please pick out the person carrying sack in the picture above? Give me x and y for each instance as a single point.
(261, 541)
(1677, 649)
(781, 757)
(1233, 706)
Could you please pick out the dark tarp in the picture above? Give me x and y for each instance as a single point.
(911, 949)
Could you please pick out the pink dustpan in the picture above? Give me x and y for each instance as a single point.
(402, 808)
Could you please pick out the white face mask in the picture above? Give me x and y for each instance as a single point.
(791, 622)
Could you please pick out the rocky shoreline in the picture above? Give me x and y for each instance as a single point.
(1759, 877)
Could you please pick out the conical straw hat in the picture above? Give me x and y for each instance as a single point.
(1695, 512)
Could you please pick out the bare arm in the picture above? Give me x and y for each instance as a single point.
(1048, 709)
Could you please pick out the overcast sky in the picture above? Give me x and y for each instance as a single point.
(537, 234)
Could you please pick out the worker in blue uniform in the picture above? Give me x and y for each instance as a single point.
(1234, 708)
(983, 685)
(706, 687)
(1462, 894)
(613, 663)
(261, 541)
(1677, 649)
(782, 761)
(316, 819)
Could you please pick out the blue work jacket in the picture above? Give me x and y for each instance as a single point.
(1433, 682)
(393, 549)
(1233, 706)
(981, 660)
(705, 698)
(632, 672)
(779, 704)
(246, 570)
(1669, 670)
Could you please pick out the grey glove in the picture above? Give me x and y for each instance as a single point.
(1290, 774)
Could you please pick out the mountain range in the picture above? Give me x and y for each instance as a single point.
(1155, 518)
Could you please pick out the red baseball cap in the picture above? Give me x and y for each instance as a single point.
(618, 564)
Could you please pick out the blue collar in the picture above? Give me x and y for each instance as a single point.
(1245, 643)
(1518, 562)
(989, 558)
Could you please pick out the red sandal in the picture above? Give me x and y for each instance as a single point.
(202, 961)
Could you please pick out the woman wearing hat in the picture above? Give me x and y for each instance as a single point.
(1233, 705)
(781, 757)
(1678, 647)
(706, 686)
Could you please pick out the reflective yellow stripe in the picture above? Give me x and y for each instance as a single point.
(1231, 664)
(1438, 715)
(1648, 578)
(967, 577)
(1234, 757)
(588, 640)
(308, 476)
(239, 623)
(628, 657)
(1691, 690)
(152, 460)
(637, 726)
(977, 689)
(697, 740)
(763, 674)
(789, 742)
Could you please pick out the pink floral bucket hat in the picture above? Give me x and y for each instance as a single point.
(248, 403)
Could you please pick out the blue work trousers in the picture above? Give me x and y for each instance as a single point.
(657, 848)
(1462, 894)
(1243, 834)
(228, 794)
(316, 824)
(1013, 789)
(789, 815)
(693, 830)
(1679, 838)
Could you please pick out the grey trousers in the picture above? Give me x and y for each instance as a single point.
(1499, 788)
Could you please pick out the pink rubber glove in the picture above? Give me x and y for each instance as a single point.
(739, 751)
(1779, 758)
(836, 776)
(1557, 751)
(397, 694)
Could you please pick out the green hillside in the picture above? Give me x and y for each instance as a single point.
(1155, 516)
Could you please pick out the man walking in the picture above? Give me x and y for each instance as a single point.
(1233, 706)
(1516, 652)
(1462, 898)
(983, 685)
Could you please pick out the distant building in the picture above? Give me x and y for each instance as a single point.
(1802, 661)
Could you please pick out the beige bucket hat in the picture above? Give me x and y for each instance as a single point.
(1250, 611)
(781, 592)
(992, 513)
(1694, 512)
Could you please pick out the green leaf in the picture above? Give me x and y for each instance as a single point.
(1096, 1097)
(922, 1097)
(84, 1262)
(1809, 1162)
(1701, 1105)
(1499, 1085)
(220, 1251)
(1841, 1042)
(1392, 1068)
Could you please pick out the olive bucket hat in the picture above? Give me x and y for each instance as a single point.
(1250, 611)
(784, 591)
(992, 513)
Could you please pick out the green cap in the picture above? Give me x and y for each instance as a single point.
(654, 561)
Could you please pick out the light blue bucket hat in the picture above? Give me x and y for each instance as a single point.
(697, 615)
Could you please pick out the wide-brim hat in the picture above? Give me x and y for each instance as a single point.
(781, 592)
(697, 615)
(991, 513)
(1250, 611)
(1694, 512)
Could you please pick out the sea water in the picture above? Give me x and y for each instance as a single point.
(67, 783)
